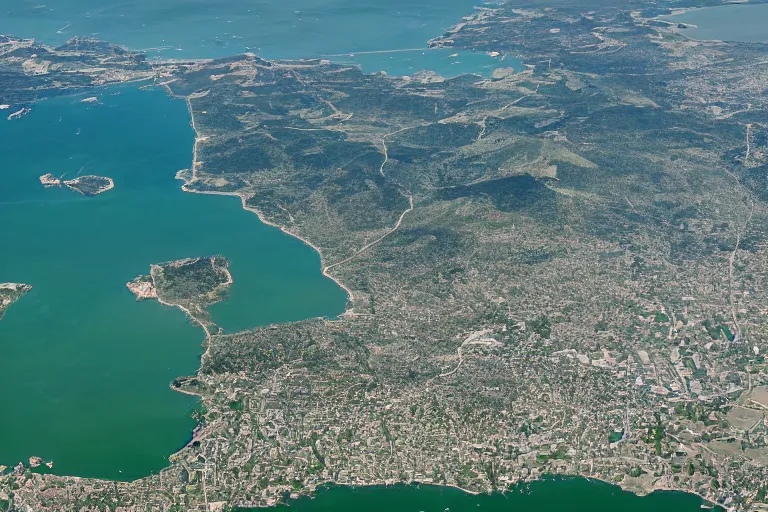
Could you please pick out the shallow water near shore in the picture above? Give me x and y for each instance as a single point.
(85, 370)
(549, 494)
(340, 30)
(736, 22)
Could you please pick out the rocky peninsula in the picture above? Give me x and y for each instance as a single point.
(191, 284)
(10, 293)
(49, 180)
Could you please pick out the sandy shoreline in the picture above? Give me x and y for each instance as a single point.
(243, 199)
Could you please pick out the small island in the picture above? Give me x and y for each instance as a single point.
(86, 185)
(90, 185)
(36, 462)
(49, 180)
(191, 284)
(10, 293)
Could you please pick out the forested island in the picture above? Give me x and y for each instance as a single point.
(191, 284)
(86, 185)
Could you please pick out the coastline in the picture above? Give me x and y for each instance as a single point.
(244, 197)
(190, 315)
(547, 477)
(243, 200)
(311, 491)
(199, 322)
(689, 31)
(72, 185)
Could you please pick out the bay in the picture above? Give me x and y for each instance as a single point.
(735, 22)
(85, 369)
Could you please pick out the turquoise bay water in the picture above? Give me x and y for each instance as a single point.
(736, 22)
(272, 29)
(85, 368)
